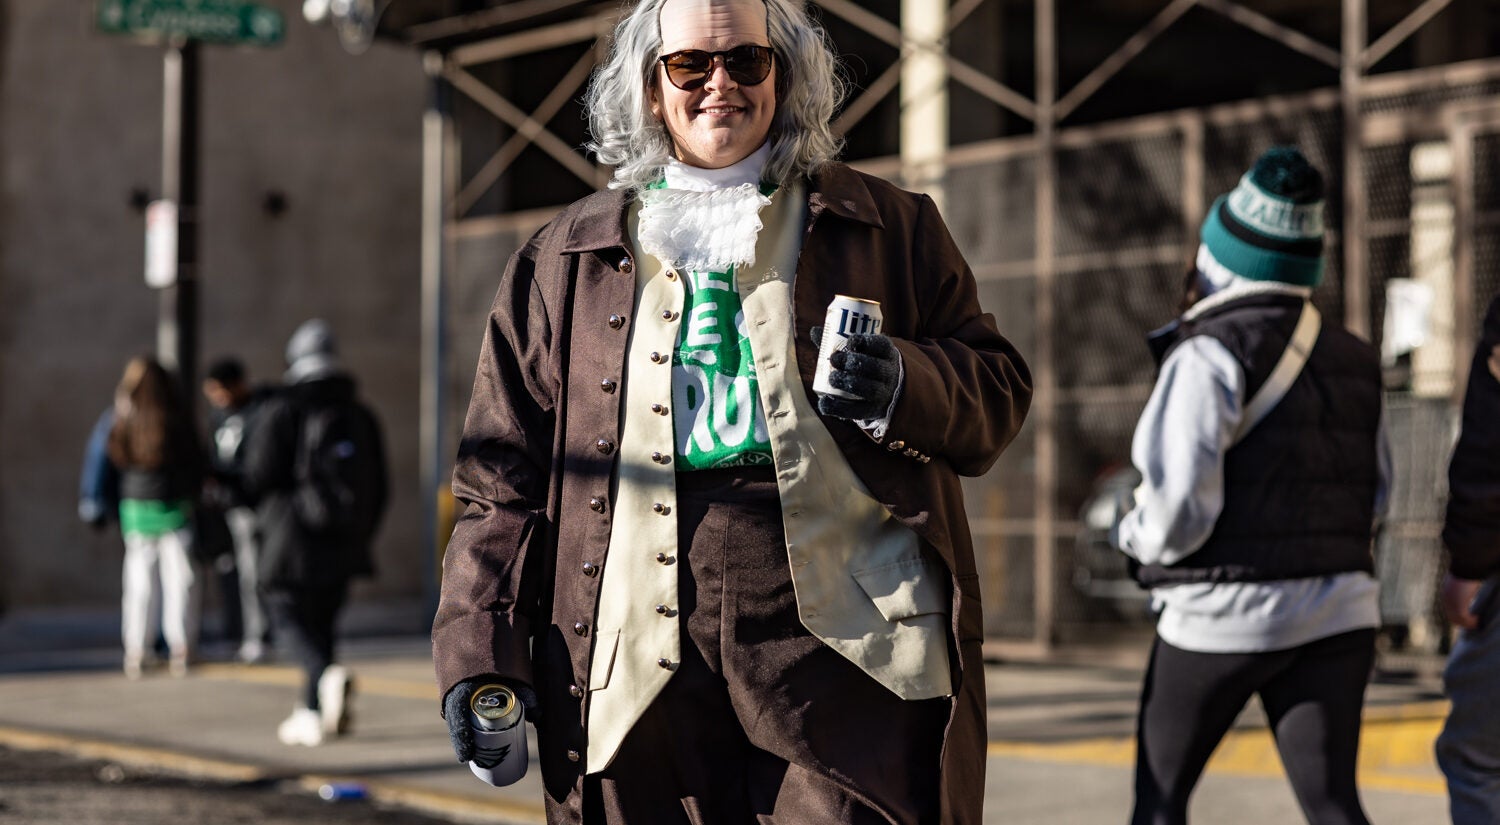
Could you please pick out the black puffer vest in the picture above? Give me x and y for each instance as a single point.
(1299, 488)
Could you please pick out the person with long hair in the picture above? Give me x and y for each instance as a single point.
(710, 583)
(154, 447)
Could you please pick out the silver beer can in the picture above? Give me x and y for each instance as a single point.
(500, 753)
(846, 316)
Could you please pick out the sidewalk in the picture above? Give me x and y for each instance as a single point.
(1060, 738)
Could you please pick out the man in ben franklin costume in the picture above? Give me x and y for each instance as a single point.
(722, 597)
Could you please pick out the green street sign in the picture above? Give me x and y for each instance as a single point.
(213, 21)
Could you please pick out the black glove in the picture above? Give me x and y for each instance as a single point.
(867, 366)
(456, 711)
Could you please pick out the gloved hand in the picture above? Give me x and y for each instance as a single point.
(867, 366)
(456, 710)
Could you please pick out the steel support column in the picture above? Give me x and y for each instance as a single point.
(437, 166)
(1351, 74)
(924, 97)
(1044, 370)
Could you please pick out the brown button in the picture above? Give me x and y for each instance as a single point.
(925, 459)
(607, 385)
(658, 409)
(590, 569)
(658, 507)
(627, 266)
(575, 691)
(662, 609)
(596, 504)
(615, 322)
(667, 315)
(580, 628)
(896, 445)
(665, 664)
(911, 453)
(657, 358)
(660, 459)
(671, 274)
(574, 756)
(605, 446)
(663, 558)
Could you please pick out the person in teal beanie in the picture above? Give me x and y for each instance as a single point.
(1264, 464)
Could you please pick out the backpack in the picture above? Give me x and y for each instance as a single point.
(339, 472)
(99, 482)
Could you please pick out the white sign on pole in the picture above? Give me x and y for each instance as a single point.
(161, 244)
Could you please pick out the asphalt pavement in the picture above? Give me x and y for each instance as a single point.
(1060, 751)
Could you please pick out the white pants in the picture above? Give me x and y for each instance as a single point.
(158, 571)
(242, 527)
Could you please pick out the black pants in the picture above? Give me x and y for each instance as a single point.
(762, 723)
(1312, 695)
(305, 619)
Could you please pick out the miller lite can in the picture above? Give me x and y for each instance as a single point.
(846, 316)
(496, 716)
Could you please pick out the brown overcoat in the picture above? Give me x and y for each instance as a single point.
(521, 575)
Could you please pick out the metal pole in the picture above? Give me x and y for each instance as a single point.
(1044, 410)
(177, 319)
(435, 166)
(924, 97)
(1351, 75)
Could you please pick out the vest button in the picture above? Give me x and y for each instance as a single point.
(605, 446)
(590, 569)
(627, 266)
(662, 609)
(608, 385)
(658, 409)
(575, 691)
(659, 458)
(660, 508)
(574, 756)
(664, 664)
(667, 315)
(596, 504)
(662, 557)
(580, 629)
(615, 322)
(657, 358)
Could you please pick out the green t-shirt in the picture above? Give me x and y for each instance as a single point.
(152, 518)
(717, 414)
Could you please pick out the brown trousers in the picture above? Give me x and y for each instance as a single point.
(763, 724)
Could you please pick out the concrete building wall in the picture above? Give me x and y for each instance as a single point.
(337, 136)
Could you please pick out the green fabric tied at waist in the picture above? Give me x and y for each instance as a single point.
(152, 518)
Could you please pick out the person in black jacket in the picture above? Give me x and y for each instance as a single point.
(315, 465)
(1469, 748)
(234, 407)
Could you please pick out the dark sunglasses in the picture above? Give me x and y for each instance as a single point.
(689, 69)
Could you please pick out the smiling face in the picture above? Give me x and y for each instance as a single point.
(722, 122)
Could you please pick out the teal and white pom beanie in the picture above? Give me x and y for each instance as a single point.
(1270, 228)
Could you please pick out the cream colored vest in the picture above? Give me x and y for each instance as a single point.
(863, 585)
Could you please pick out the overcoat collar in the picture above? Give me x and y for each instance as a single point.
(599, 221)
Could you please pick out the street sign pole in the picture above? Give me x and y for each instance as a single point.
(177, 324)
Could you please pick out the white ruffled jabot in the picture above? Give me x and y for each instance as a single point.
(706, 220)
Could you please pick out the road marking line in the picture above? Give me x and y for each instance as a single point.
(133, 755)
(288, 676)
(443, 803)
(1392, 745)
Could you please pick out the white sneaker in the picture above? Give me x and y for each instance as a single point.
(335, 689)
(252, 652)
(303, 727)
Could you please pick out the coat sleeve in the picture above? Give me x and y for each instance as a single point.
(966, 389)
(491, 591)
(1472, 528)
(270, 450)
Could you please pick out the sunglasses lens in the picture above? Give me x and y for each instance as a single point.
(690, 69)
(748, 64)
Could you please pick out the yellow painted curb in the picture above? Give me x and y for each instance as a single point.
(134, 755)
(455, 805)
